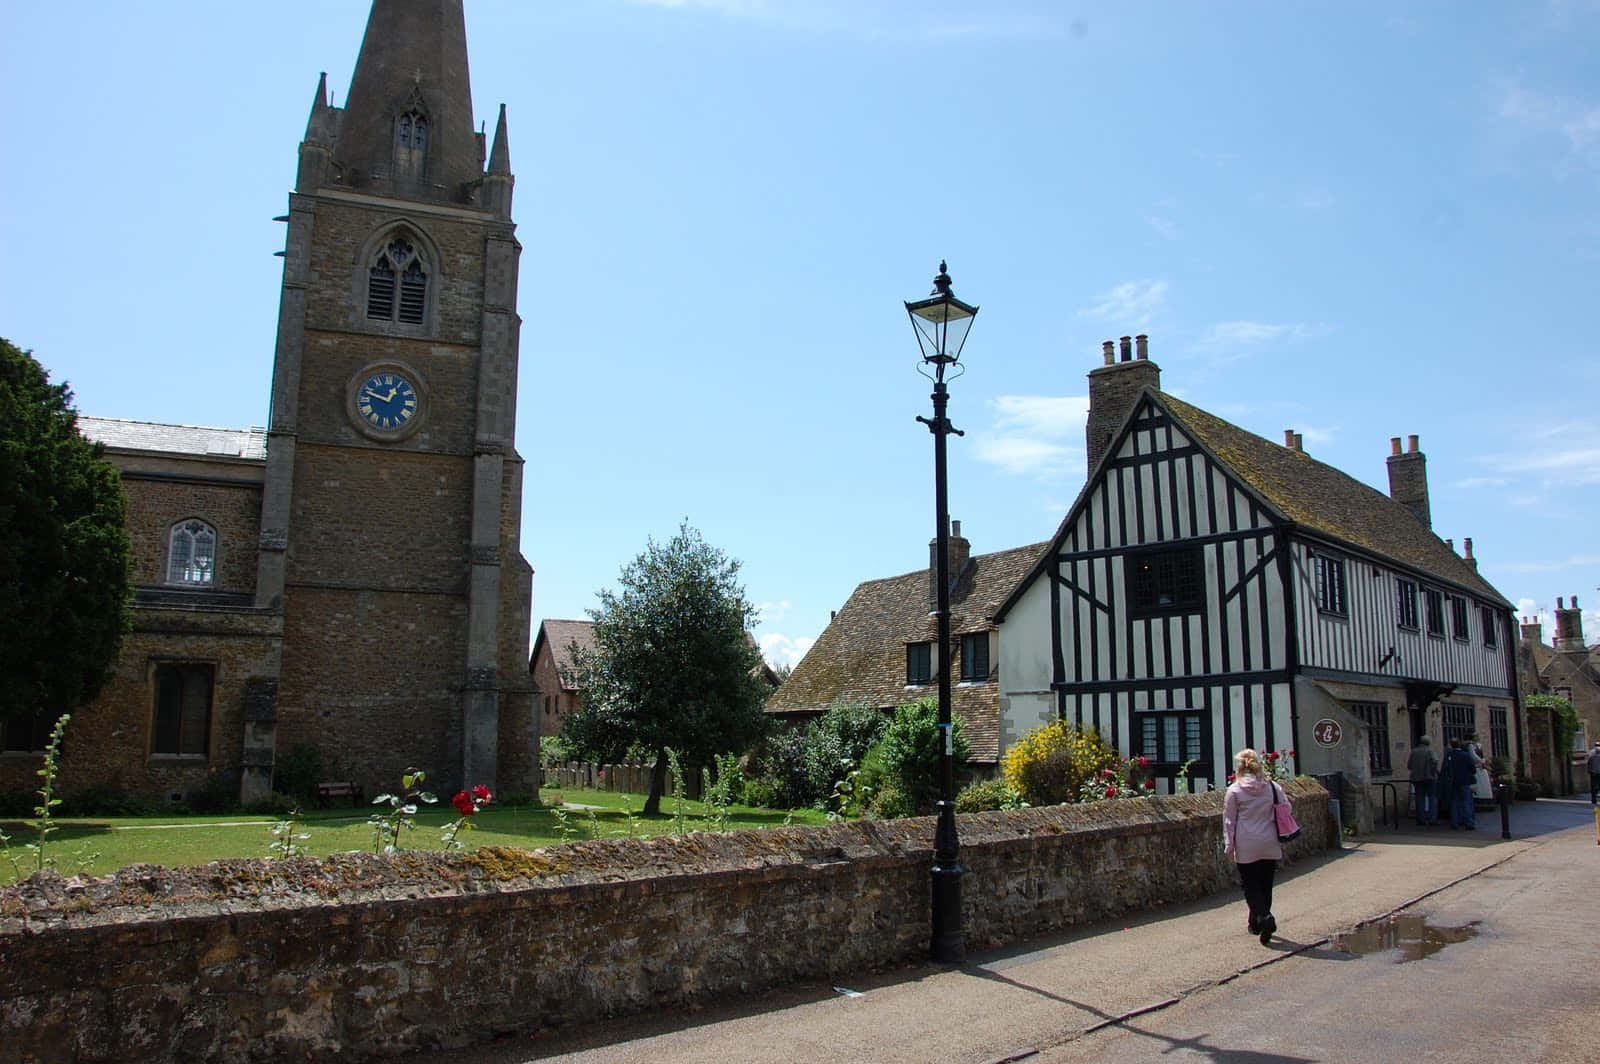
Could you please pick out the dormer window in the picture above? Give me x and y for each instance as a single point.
(399, 261)
(192, 554)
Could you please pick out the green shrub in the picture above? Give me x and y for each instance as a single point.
(857, 726)
(298, 772)
(890, 802)
(1049, 765)
(910, 752)
(273, 803)
(759, 794)
(987, 795)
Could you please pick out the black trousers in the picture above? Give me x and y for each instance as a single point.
(1256, 879)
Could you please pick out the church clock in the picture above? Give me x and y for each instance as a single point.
(386, 401)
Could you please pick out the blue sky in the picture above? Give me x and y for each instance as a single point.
(1355, 220)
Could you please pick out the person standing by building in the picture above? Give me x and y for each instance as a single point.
(1463, 774)
(1250, 838)
(1592, 762)
(1423, 765)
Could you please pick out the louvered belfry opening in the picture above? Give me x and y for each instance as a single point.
(401, 257)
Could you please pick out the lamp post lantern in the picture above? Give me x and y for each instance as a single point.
(941, 322)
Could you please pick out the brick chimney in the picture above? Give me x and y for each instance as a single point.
(1408, 478)
(1112, 389)
(1569, 626)
(1532, 630)
(1470, 560)
(960, 552)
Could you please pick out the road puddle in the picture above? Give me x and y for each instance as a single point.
(1411, 937)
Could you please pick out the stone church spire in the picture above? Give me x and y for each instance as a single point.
(497, 183)
(407, 128)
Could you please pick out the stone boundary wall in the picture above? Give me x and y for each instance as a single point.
(358, 956)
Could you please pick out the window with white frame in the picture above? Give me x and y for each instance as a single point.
(192, 554)
(1406, 603)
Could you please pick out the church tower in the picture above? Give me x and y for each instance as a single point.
(391, 508)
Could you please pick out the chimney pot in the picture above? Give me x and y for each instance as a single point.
(1288, 438)
(1411, 443)
(1109, 349)
(955, 528)
(1574, 601)
(1141, 346)
(1559, 605)
(1299, 443)
(1126, 343)
(1451, 543)
(1394, 444)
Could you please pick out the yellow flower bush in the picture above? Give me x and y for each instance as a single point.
(1049, 765)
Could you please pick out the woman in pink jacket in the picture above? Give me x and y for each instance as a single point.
(1250, 838)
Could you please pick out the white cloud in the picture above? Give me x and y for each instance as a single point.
(1027, 433)
(1574, 124)
(772, 612)
(780, 649)
(1131, 302)
(1165, 227)
(1575, 561)
(1552, 458)
(1247, 333)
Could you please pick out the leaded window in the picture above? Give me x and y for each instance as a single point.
(1171, 738)
(1330, 584)
(919, 664)
(1460, 721)
(1406, 603)
(1376, 717)
(183, 709)
(192, 554)
(975, 656)
(1458, 617)
(1490, 628)
(398, 261)
(1165, 581)
(1499, 734)
(1433, 601)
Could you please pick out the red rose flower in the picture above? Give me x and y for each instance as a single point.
(481, 794)
(463, 804)
(1272, 756)
(1144, 762)
(1111, 792)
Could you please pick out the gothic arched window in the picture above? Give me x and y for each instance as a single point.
(192, 554)
(398, 260)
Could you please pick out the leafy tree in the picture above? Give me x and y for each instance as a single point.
(64, 554)
(673, 665)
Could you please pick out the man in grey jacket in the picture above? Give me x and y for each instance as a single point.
(1423, 765)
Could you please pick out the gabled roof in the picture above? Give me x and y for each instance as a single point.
(175, 439)
(1309, 495)
(861, 656)
(1321, 499)
(560, 635)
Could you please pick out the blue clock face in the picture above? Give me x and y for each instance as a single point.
(386, 401)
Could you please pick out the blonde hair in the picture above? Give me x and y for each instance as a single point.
(1247, 761)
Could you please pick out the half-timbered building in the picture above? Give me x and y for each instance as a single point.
(1211, 590)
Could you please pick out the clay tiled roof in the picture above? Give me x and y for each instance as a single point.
(861, 655)
(1324, 500)
(561, 635)
(175, 439)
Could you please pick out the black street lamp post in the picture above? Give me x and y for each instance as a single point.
(941, 322)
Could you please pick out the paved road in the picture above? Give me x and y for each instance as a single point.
(1188, 982)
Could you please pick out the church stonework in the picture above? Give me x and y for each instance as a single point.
(392, 498)
(365, 594)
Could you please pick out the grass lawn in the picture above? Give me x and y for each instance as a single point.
(95, 846)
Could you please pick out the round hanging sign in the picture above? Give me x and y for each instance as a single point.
(1326, 732)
